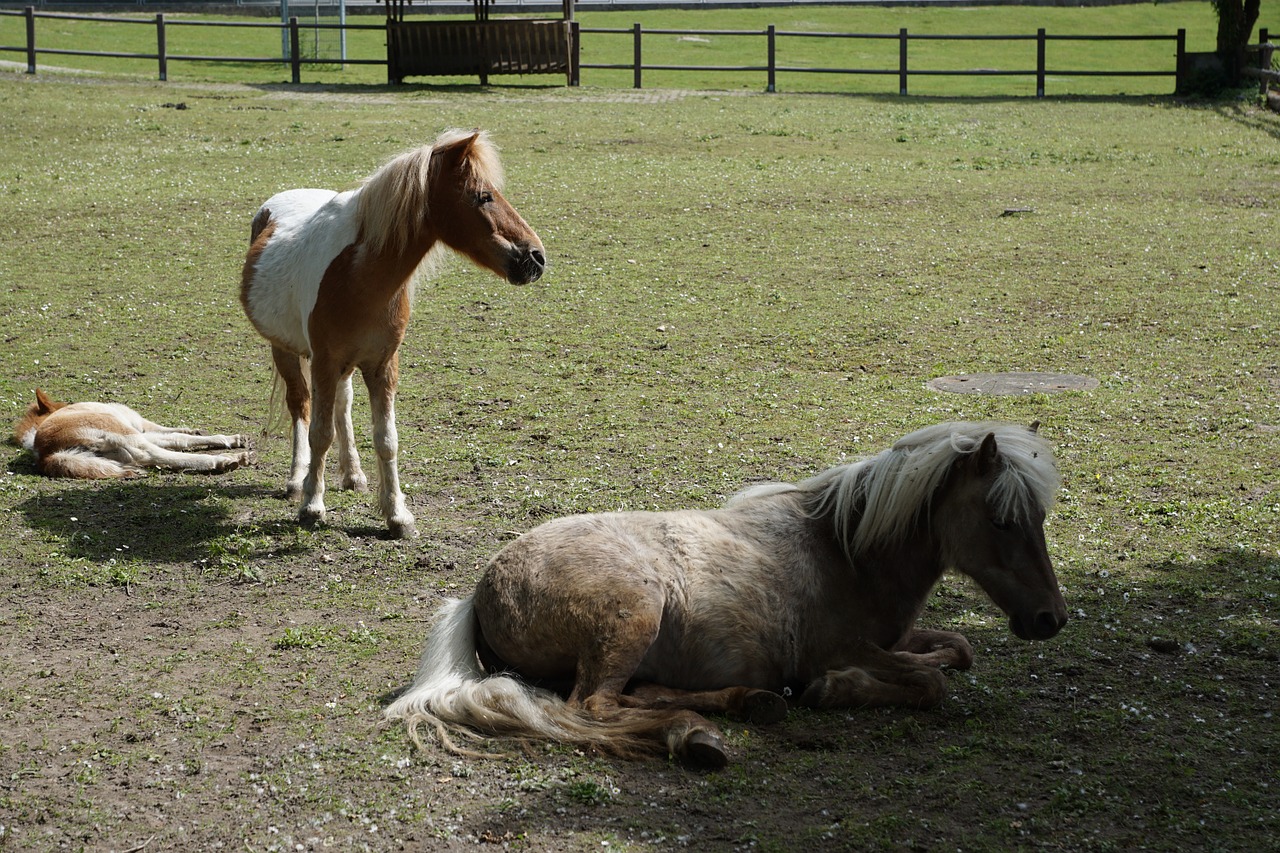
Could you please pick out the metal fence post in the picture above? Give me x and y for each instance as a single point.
(636, 38)
(1040, 63)
(773, 65)
(30, 13)
(295, 58)
(902, 61)
(160, 48)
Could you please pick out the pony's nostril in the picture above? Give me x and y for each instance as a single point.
(538, 258)
(1048, 623)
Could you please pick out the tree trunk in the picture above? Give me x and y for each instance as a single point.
(1236, 19)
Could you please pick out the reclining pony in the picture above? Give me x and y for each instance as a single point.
(98, 441)
(809, 591)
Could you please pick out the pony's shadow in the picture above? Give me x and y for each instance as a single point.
(153, 519)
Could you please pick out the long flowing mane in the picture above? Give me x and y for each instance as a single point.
(875, 500)
(392, 202)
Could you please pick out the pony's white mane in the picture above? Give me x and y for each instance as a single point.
(392, 202)
(876, 500)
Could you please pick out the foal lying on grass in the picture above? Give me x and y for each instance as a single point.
(98, 441)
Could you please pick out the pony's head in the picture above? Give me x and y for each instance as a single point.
(455, 188)
(24, 431)
(980, 490)
(989, 514)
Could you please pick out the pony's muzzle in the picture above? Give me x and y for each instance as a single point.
(526, 266)
(1044, 625)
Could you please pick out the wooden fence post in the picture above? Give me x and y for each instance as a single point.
(1040, 63)
(1264, 61)
(1180, 64)
(30, 13)
(902, 61)
(574, 36)
(160, 48)
(636, 38)
(295, 49)
(772, 60)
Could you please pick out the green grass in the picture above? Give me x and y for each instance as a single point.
(186, 36)
(743, 286)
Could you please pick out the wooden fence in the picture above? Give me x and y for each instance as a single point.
(903, 71)
(769, 68)
(1266, 73)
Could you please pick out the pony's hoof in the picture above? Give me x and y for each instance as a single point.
(705, 750)
(310, 517)
(763, 707)
(402, 529)
(356, 483)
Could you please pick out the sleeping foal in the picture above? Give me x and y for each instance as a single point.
(97, 441)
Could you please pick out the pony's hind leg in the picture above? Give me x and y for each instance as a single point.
(350, 475)
(748, 703)
(324, 390)
(381, 383)
(140, 452)
(297, 399)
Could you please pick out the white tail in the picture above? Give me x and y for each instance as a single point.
(453, 693)
(82, 463)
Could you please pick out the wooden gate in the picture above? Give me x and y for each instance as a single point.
(481, 47)
(454, 48)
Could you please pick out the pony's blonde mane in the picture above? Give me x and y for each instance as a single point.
(876, 500)
(392, 202)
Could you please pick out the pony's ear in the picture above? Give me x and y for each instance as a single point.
(1035, 427)
(457, 151)
(988, 455)
(43, 404)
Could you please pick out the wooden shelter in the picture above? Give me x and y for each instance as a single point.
(481, 47)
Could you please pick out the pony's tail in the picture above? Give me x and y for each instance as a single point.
(84, 465)
(453, 695)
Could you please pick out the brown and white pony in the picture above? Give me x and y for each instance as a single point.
(329, 280)
(812, 591)
(97, 441)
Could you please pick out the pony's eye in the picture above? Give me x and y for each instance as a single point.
(1002, 525)
(484, 197)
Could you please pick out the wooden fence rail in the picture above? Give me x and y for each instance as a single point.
(769, 67)
(903, 71)
(162, 57)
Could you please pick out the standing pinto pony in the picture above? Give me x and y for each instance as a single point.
(329, 280)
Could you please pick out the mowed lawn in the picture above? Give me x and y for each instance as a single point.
(742, 287)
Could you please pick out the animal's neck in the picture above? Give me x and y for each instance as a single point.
(897, 579)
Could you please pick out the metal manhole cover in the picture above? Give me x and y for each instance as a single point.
(1013, 383)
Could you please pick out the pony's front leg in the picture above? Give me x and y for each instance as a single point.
(352, 477)
(936, 648)
(876, 678)
(320, 436)
(382, 394)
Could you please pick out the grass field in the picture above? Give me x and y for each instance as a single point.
(185, 36)
(743, 287)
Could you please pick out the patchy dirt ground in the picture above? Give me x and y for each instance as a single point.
(234, 702)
